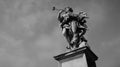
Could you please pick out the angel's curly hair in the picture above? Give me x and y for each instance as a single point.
(69, 9)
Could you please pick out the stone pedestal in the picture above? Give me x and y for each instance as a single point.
(81, 57)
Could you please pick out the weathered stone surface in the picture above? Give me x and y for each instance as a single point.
(81, 57)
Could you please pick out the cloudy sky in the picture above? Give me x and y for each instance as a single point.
(30, 35)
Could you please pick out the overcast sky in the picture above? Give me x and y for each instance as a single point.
(30, 35)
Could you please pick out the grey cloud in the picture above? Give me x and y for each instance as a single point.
(31, 34)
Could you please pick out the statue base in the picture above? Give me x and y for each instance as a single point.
(81, 57)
